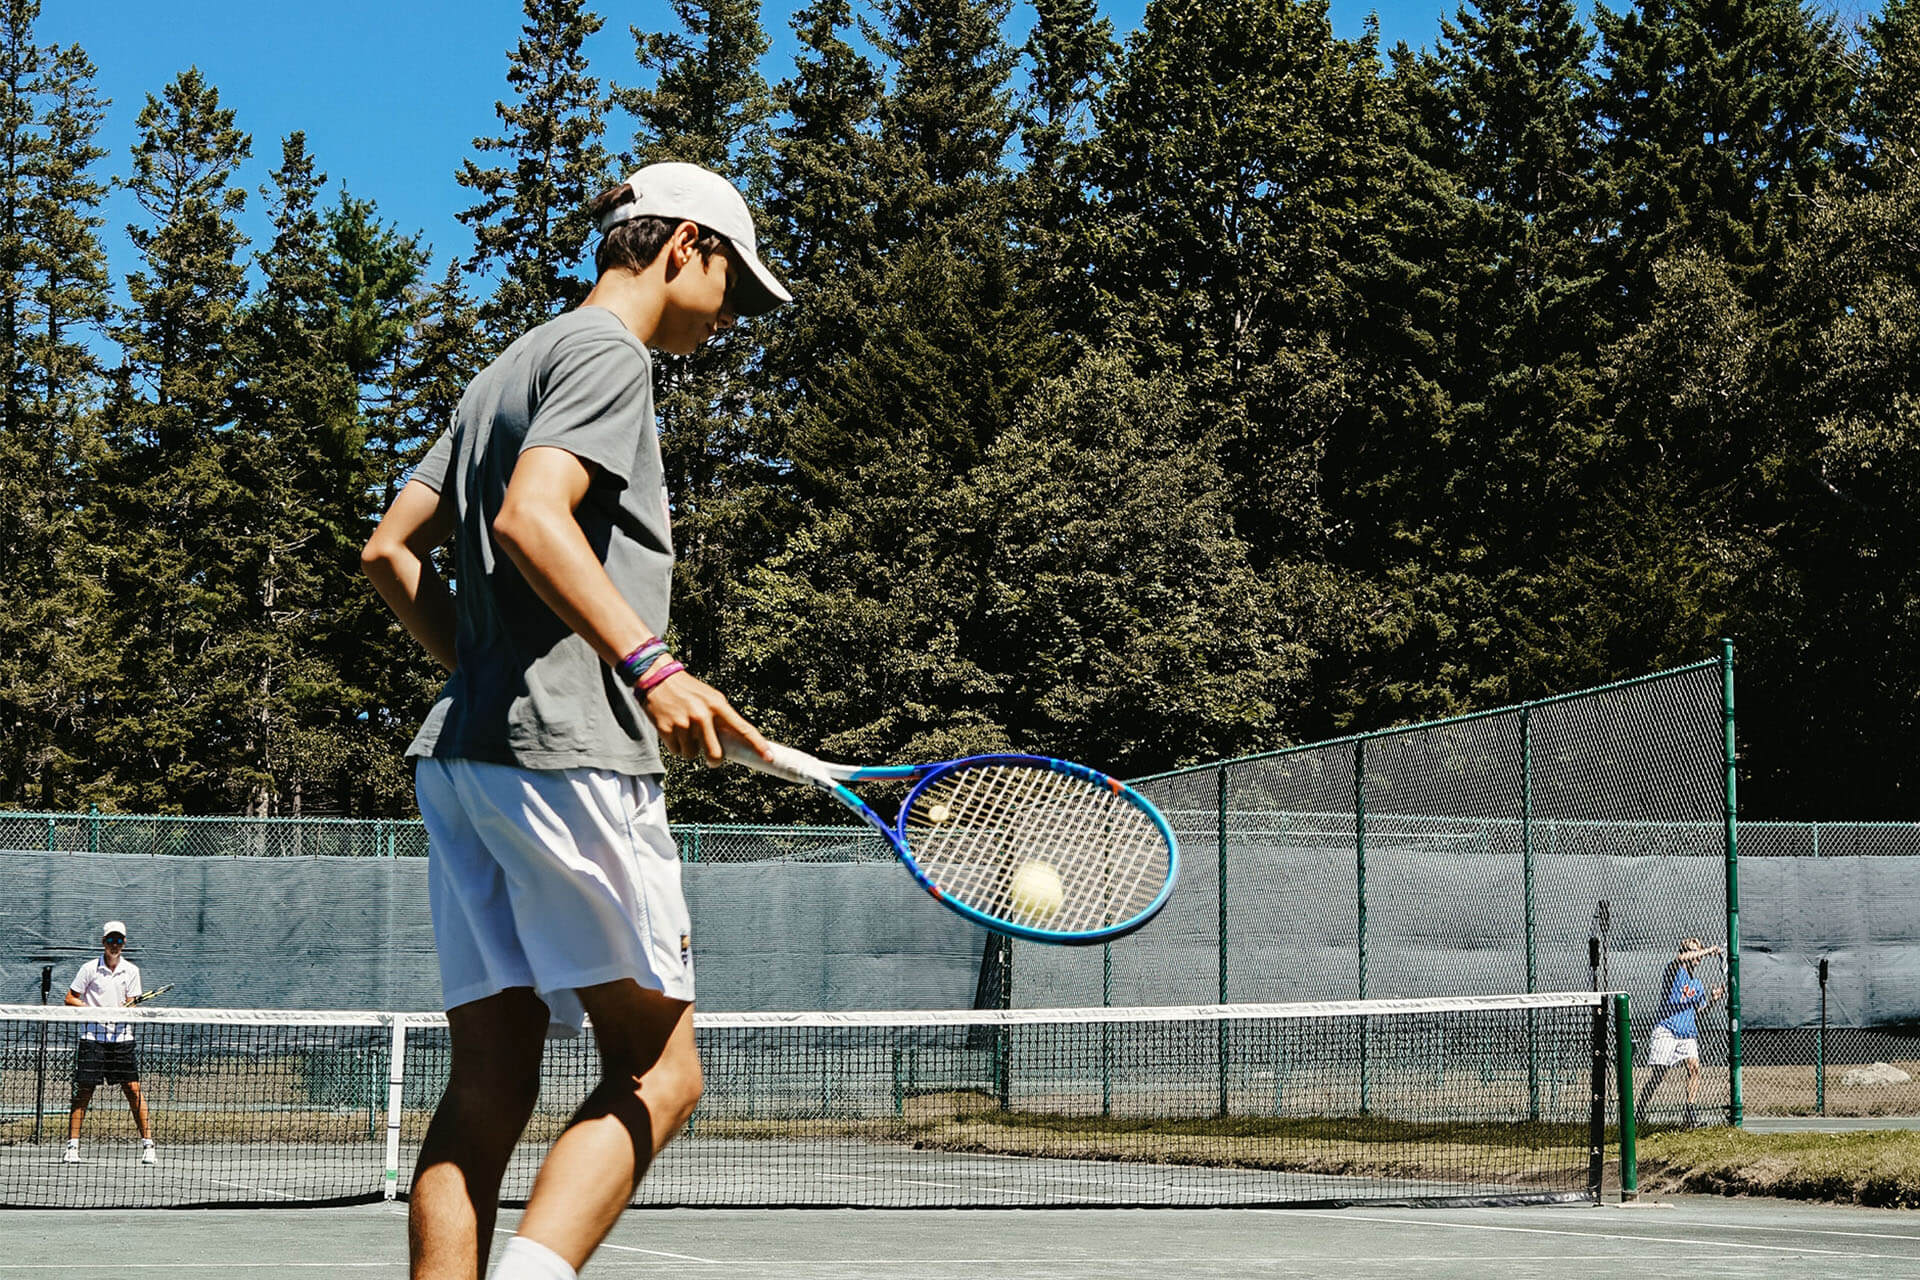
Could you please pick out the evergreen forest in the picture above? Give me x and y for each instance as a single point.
(1148, 398)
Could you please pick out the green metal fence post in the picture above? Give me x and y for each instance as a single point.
(1526, 877)
(50, 829)
(93, 828)
(1734, 1062)
(1220, 897)
(1360, 889)
(1629, 1123)
(1106, 1030)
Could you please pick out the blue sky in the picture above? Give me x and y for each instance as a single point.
(392, 92)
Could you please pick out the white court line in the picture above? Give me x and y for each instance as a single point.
(1349, 1216)
(1106, 1266)
(792, 1265)
(629, 1248)
(1712, 1225)
(248, 1186)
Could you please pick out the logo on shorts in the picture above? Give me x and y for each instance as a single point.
(686, 948)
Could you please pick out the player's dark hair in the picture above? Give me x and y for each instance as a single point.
(635, 243)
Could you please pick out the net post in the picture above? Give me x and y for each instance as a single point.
(396, 1090)
(1597, 1113)
(1360, 893)
(1623, 1054)
(40, 1058)
(1526, 875)
(1820, 1046)
(1734, 1063)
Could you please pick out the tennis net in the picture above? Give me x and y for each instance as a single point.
(1486, 1099)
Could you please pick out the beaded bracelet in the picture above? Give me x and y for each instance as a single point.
(658, 676)
(635, 664)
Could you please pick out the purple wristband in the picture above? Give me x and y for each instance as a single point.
(635, 664)
(655, 678)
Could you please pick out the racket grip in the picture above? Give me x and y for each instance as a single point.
(787, 763)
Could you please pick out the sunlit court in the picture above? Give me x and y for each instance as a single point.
(921, 638)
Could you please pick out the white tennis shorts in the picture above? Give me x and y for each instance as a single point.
(552, 879)
(1665, 1049)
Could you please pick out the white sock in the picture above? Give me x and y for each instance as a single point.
(146, 1142)
(73, 1142)
(525, 1259)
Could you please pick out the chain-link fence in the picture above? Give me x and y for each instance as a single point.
(169, 836)
(1470, 856)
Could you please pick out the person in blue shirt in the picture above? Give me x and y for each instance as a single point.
(1676, 1038)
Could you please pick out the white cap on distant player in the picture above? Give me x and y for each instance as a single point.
(689, 193)
(113, 926)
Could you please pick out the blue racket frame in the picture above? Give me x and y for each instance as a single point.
(927, 775)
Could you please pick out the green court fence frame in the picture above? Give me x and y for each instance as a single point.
(1539, 831)
(1361, 746)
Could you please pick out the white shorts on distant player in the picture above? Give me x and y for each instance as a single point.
(1666, 1049)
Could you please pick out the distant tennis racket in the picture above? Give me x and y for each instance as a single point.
(1030, 846)
(154, 994)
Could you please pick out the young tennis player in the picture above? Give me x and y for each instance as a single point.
(554, 882)
(1676, 1038)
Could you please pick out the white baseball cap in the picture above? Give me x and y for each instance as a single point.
(689, 193)
(113, 926)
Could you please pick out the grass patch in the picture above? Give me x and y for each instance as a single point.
(1881, 1169)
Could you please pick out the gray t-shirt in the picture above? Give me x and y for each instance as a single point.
(527, 691)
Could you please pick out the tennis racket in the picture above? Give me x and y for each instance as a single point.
(1038, 848)
(154, 994)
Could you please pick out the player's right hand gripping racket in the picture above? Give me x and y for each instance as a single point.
(1031, 846)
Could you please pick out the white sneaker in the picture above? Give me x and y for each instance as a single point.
(147, 1156)
(73, 1154)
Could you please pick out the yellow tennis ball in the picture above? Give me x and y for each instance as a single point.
(1036, 891)
(937, 813)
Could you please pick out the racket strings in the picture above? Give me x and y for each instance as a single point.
(973, 831)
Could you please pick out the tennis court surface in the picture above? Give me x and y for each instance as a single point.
(1690, 1236)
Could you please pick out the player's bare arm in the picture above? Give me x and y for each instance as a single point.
(537, 529)
(398, 558)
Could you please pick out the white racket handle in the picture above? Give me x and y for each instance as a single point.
(787, 763)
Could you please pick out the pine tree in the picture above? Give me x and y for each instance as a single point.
(709, 105)
(162, 509)
(906, 363)
(530, 223)
(1833, 638)
(19, 144)
(1722, 118)
(1071, 55)
(24, 474)
(393, 681)
(332, 308)
(1483, 505)
(49, 598)
(825, 191)
(950, 114)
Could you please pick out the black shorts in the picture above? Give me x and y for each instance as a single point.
(106, 1062)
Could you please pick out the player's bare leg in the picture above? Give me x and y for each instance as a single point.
(649, 1083)
(492, 1086)
(137, 1103)
(82, 1095)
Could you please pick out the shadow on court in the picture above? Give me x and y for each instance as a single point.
(1693, 1236)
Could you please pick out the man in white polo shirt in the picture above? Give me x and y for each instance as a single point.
(106, 1048)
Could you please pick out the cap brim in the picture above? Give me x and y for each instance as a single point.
(758, 292)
